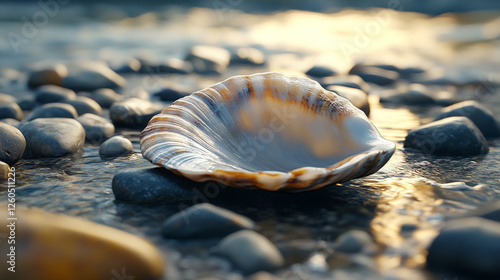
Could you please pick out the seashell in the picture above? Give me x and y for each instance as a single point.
(267, 131)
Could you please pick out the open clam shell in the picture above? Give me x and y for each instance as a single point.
(268, 131)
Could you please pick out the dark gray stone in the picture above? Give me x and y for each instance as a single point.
(481, 116)
(116, 146)
(11, 110)
(321, 71)
(357, 97)
(27, 103)
(97, 129)
(415, 94)
(133, 113)
(208, 60)
(105, 97)
(351, 81)
(375, 75)
(250, 252)
(470, 245)
(153, 185)
(453, 136)
(12, 144)
(52, 137)
(355, 241)
(204, 221)
(169, 66)
(51, 93)
(170, 94)
(47, 76)
(404, 72)
(84, 105)
(53, 110)
(131, 66)
(248, 56)
(90, 76)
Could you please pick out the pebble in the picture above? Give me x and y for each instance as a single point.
(4, 170)
(12, 144)
(170, 94)
(10, 121)
(47, 76)
(481, 116)
(248, 56)
(51, 93)
(89, 76)
(52, 137)
(405, 72)
(354, 242)
(415, 94)
(9, 76)
(204, 221)
(298, 250)
(153, 185)
(56, 246)
(468, 245)
(84, 105)
(12, 111)
(351, 81)
(375, 75)
(53, 110)
(131, 66)
(250, 252)
(116, 146)
(208, 60)
(133, 113)
(27, 103)
(168, 66)
(357, 97)
(105, 97)
(321, 71)
(6, 99)
(453, 136)
(97, 128)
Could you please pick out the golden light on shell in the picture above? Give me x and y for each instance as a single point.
(268, 131)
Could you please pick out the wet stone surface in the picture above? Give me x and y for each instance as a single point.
(376, 227)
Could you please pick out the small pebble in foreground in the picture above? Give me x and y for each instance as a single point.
(250, 252)
(203, 221)
(470, 245)
(453, 136)
(116, 146)
(62, 247)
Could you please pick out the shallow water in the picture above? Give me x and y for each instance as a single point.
(402, 205)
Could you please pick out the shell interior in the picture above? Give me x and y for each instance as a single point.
(269, 131)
